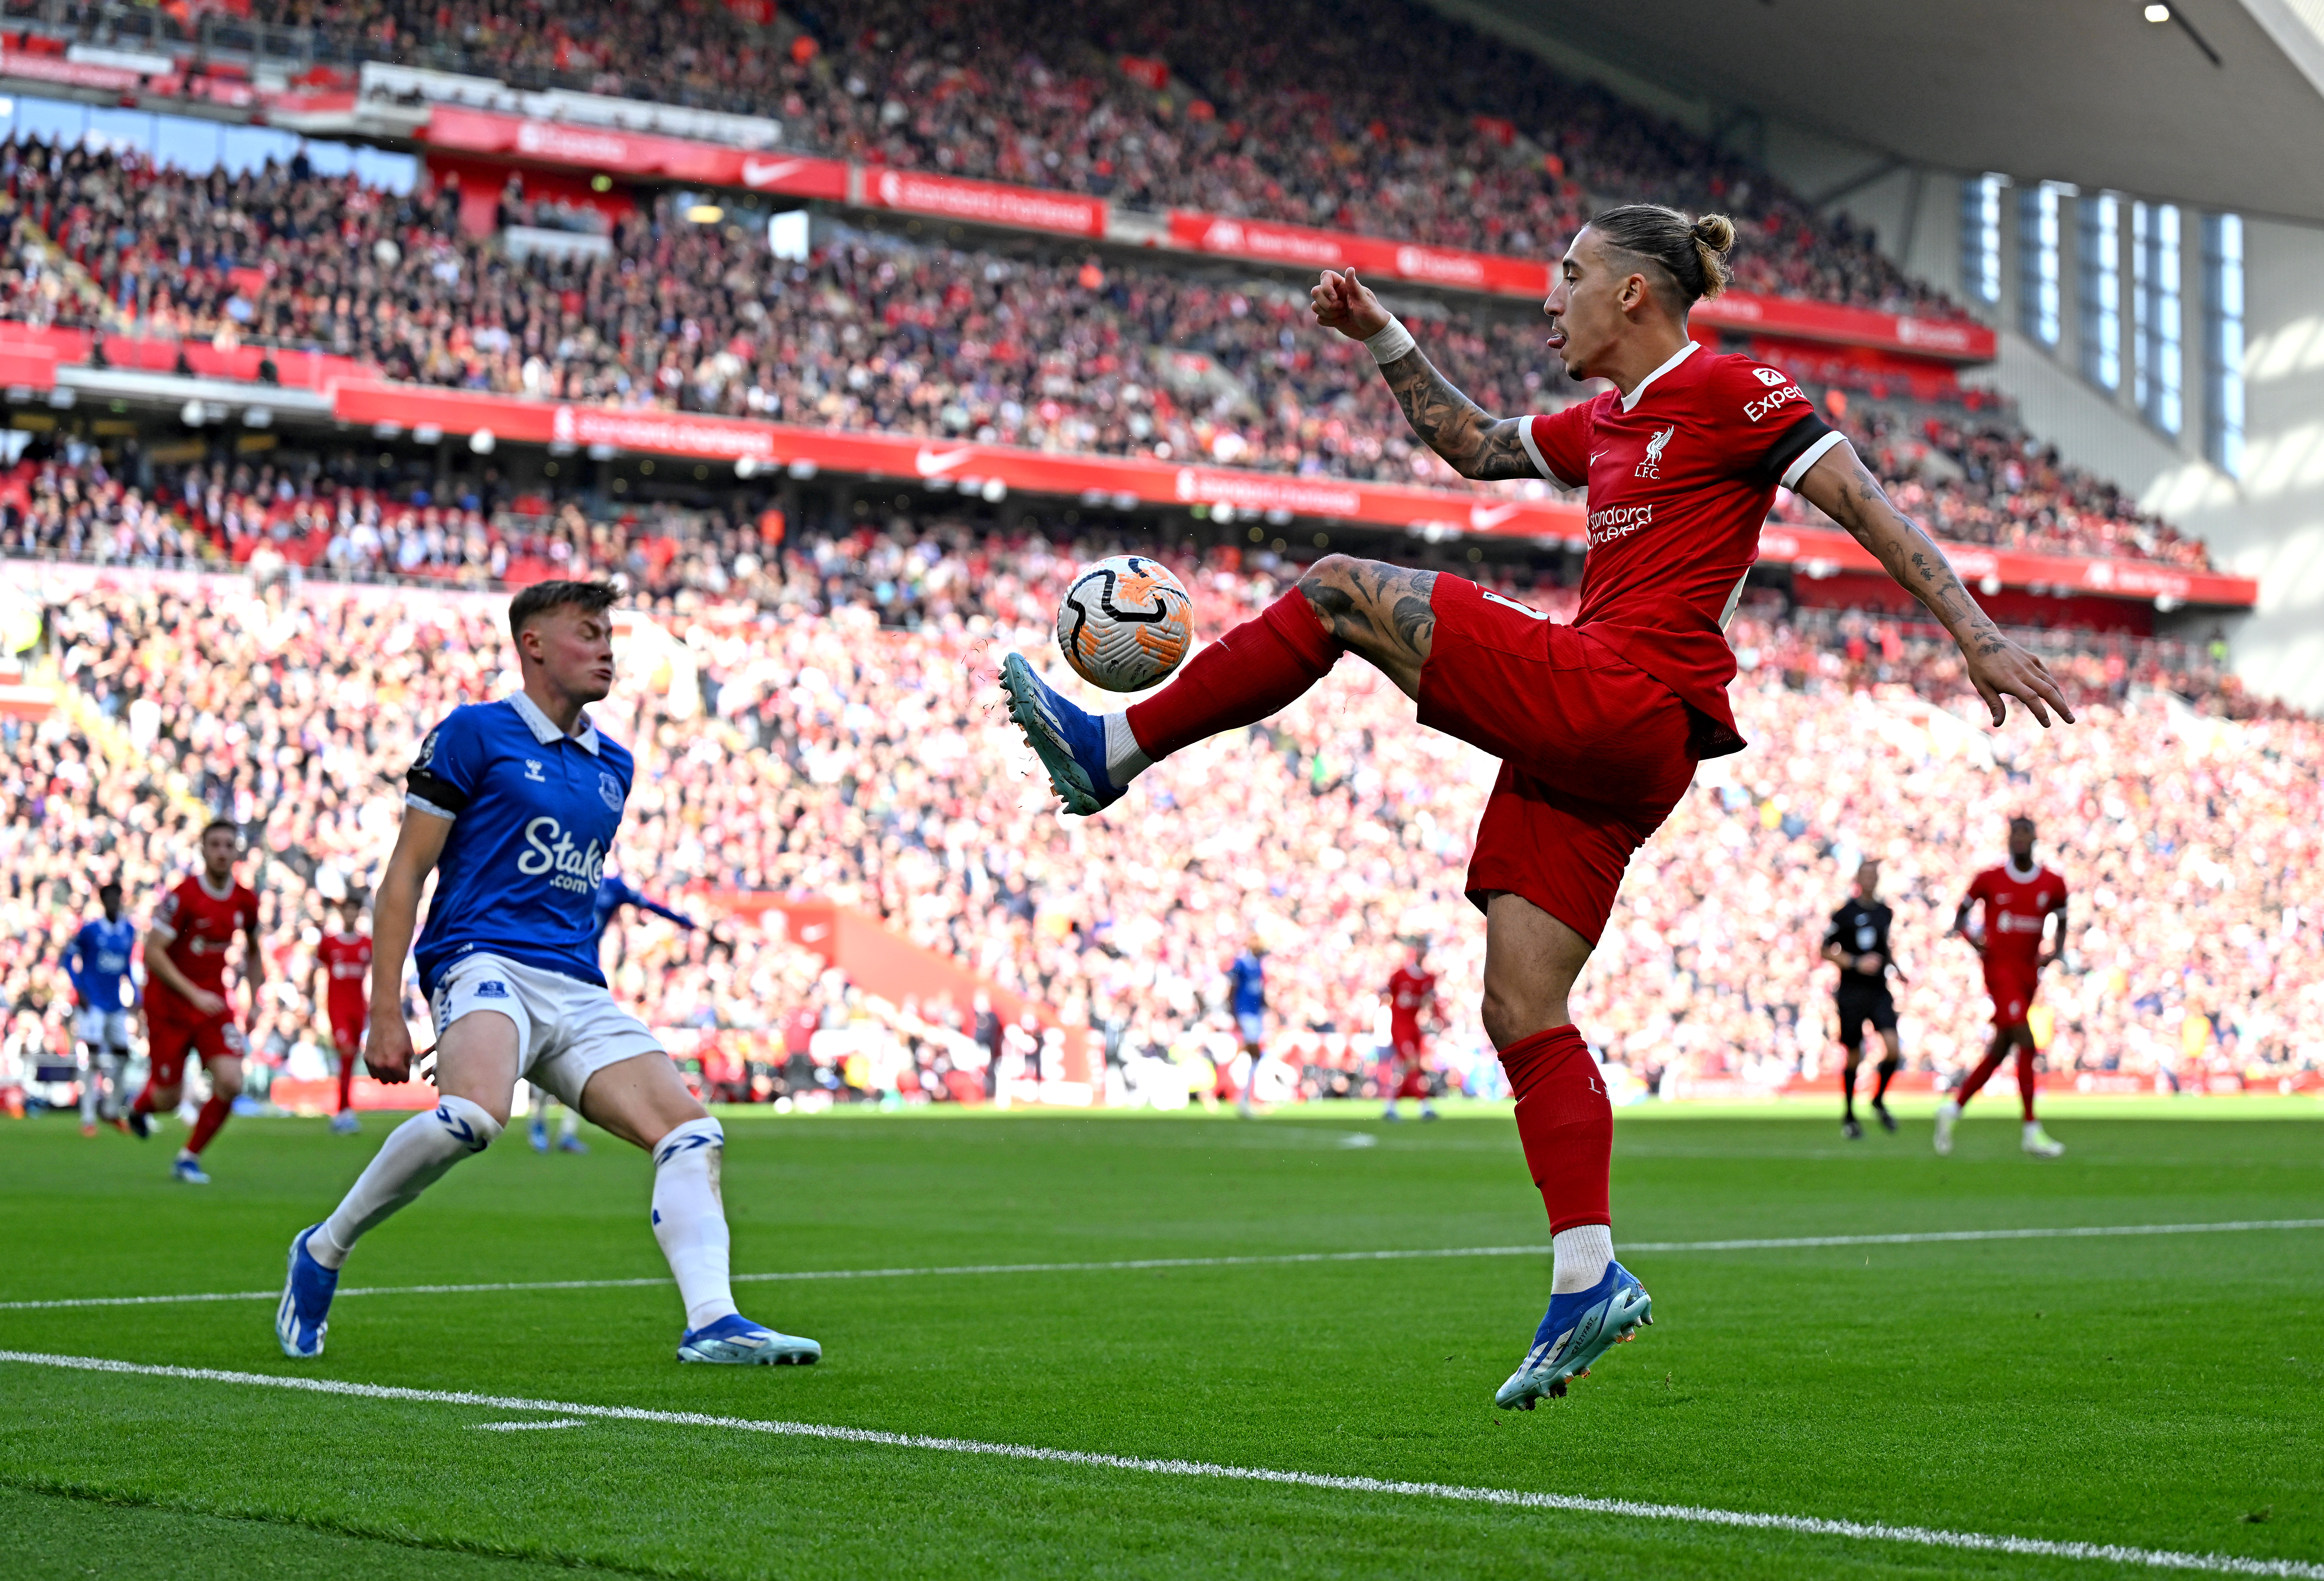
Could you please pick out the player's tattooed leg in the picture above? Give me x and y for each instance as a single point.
(1379, 611)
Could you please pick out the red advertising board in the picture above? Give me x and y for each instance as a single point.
(984, 202)
(634, 153)
(1265, 242)
(69, 73)
(1127, 482)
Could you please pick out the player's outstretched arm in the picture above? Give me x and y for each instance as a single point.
(1473, 443)
(395, 918)
(1842, 489)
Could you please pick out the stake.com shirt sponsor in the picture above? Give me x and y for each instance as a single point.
(534, 812)
(1681, 472)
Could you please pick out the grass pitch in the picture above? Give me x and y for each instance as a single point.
(2160, 1393)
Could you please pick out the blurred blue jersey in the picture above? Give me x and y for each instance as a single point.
(96, 959)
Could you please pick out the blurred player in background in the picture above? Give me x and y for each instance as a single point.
(1411, 1002)
(1599, 724)
(2019, 898)
(612, 894)
(513, 805)
(96, 959)
(1247, 1000)
(186, 1007)
(343, 976)
(1857, 942)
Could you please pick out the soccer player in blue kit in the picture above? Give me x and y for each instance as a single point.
(1247, 998)
(513, 805)
(96, 959)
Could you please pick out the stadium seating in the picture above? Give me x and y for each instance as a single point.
(829, 749)
(876, 334)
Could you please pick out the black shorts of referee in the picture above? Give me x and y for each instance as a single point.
(1861, 1003)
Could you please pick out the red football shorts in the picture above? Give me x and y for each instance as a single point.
(173, 1031)
(2011, 989)
(1405, 1047)
(347, 1029)
(1593, 750)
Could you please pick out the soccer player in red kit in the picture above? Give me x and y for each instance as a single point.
(2020, 898)
(342, 985)
(1598, 723)
(1411, 994)
(186, 1007)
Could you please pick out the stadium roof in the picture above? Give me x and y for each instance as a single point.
(2086, 91)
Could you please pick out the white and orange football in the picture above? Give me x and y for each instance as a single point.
(1125, 623)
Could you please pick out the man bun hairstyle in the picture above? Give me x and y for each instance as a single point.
(543, 597)
(1692, 252)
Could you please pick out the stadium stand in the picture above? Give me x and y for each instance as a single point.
(876, 334)
(793, 775)
(1281, 114)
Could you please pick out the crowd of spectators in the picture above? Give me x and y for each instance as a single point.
(873, 333)
(1380, 116)
(793, 740)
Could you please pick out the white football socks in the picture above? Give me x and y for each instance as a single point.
(689, 1218)
(1579, 1257)
(1125, 760)
(414, 1157)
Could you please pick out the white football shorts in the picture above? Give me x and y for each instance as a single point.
(103, 1029)
(567, 1030)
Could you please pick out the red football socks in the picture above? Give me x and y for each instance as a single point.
(1565, 1123)
(1257, 668)
(1980, 1077)
(142, 1104)
(215, 1110)
(2025, 1081)
(346, 1080)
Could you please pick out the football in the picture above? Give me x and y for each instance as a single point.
(1125, 623)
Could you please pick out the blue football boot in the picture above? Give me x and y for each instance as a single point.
(736, 1341)
(188, 1169)
(1577, 1331)
(1069, 740)
(301, 1321)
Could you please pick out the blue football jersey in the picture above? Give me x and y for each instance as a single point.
(98, 961)
(1247, 984)
(534, 812)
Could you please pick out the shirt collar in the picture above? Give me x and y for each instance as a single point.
(1678, 356)
(544, 729)
(2009, 865)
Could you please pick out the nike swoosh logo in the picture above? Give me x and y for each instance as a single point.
(1594, 455)
(931, 464)
(758, 173)
(1487, 516)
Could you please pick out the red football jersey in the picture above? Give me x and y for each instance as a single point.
(345, 960)
(1408, 993)
(199, 925)
(1680, 474)
(2017, 907)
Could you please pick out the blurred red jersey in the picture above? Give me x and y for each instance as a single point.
(345, 960)
(1408, 993)
(200, 924)
(1680, 474)
(2017, 905)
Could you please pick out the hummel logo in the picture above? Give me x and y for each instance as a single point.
(532, 771)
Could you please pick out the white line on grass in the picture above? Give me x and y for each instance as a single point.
(1695, 1515)
(1283, 1259)
(528, 1427)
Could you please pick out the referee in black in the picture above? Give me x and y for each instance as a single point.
(1857, 942)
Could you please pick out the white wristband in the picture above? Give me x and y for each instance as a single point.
(1391, 343)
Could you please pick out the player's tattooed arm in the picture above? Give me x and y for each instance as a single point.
(1473, 443)
(1840, 485)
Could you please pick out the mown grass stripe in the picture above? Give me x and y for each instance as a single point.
(1570, 1503)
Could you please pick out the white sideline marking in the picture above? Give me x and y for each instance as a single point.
(1806, 1525)
(1282, 1259)
(526, 1427)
